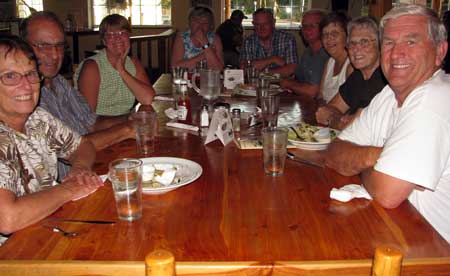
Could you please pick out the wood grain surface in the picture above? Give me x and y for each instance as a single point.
(233, 212)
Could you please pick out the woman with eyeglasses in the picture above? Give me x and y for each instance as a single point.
(364, 83)
(333, 30)
(199, 43)
(31, 141)
(111, 81)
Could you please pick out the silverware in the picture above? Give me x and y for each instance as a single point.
(65, 233)
(82, 221)
(292, 157)
(296, 133)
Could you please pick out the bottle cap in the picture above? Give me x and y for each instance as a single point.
(236, 111)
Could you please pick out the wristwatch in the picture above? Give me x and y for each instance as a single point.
(206, 46)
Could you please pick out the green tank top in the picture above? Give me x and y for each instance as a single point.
(114, 97)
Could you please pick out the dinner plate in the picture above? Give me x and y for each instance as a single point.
(309, 145)
(251, 92)
(187, 172)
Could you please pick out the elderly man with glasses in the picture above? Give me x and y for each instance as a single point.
(308, 72)
(45, 33)
(364, 83)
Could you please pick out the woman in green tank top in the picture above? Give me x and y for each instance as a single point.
(111, 81)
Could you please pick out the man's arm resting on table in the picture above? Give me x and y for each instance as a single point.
(115, 134)
(105, 122)
(388, 191)
(301, 88)
(285, 70)
(350, 159)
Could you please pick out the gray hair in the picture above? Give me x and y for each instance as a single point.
(436, 29)
(202, 11)
(363, 22)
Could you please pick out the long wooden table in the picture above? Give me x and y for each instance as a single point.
(233, 212)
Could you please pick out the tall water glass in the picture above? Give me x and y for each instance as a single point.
(274, 150)
(178, 76)
(126, 178)
(270, 105)
(145, 126)
(262, 89)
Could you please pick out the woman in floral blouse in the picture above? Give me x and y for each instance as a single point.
(31, 141)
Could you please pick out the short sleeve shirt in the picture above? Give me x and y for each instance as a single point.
(283, 45)
(416, 144)
(28, 160)
(311, 66)
(357, 92)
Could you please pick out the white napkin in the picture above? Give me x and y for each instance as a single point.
(171, 113)
(349, 192)
(163, 98)
(182, 126)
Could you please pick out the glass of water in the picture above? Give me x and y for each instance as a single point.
(126, 177)
(274, 149)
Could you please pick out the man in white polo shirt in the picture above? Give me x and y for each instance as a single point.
(400, 144)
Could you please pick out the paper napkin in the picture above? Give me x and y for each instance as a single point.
(348, 192)
(182, 126)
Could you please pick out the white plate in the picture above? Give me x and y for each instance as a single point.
(250, 92)
(188, 171)
(309, 145)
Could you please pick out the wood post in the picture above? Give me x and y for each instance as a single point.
(160, 263)
(387, 262)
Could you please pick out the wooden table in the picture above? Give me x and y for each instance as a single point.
(233, 212)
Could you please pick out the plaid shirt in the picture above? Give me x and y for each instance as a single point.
(283, 45)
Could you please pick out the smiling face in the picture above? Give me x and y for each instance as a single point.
(17, 100)
(116, 40)
(334, 39)
(47, 40)
(409, 57)
(264, 25)
(363, 49)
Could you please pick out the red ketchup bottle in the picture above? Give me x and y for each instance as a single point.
(184, 105)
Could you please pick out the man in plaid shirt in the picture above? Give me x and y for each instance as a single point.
(268, 47)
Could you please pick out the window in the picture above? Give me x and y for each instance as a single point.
(288, 13)
(24, 7)
(141, 12)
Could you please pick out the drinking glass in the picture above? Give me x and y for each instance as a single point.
(209, 84)
(270, 106)
(126, 177)
(274, 150)
(145, 126)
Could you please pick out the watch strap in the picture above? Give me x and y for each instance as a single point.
(206, 46)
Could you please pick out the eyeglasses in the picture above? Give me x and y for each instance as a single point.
(332, 34)
(43, 46)
(111, 35)
(14, 78)
(309, 26)
(364, 43)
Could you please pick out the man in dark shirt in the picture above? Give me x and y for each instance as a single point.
(231, 34)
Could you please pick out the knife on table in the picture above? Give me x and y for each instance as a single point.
(293, 157)
(82, 221)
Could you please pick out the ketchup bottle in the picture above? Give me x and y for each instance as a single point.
(184, 105)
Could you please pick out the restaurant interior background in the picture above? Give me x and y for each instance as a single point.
(150, 17)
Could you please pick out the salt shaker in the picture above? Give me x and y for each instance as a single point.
(236, 119)
(204, 117)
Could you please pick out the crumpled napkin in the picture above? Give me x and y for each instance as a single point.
(163, 98)
(171, 113)
(348, 192)
(182, 126)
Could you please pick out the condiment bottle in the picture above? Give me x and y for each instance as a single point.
(204, 117)
(183, 104)
(236, 119)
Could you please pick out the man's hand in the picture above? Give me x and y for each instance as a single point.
(325, 113)
(81, 182)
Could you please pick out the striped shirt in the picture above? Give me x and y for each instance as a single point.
(67, 104)
(283, 45)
